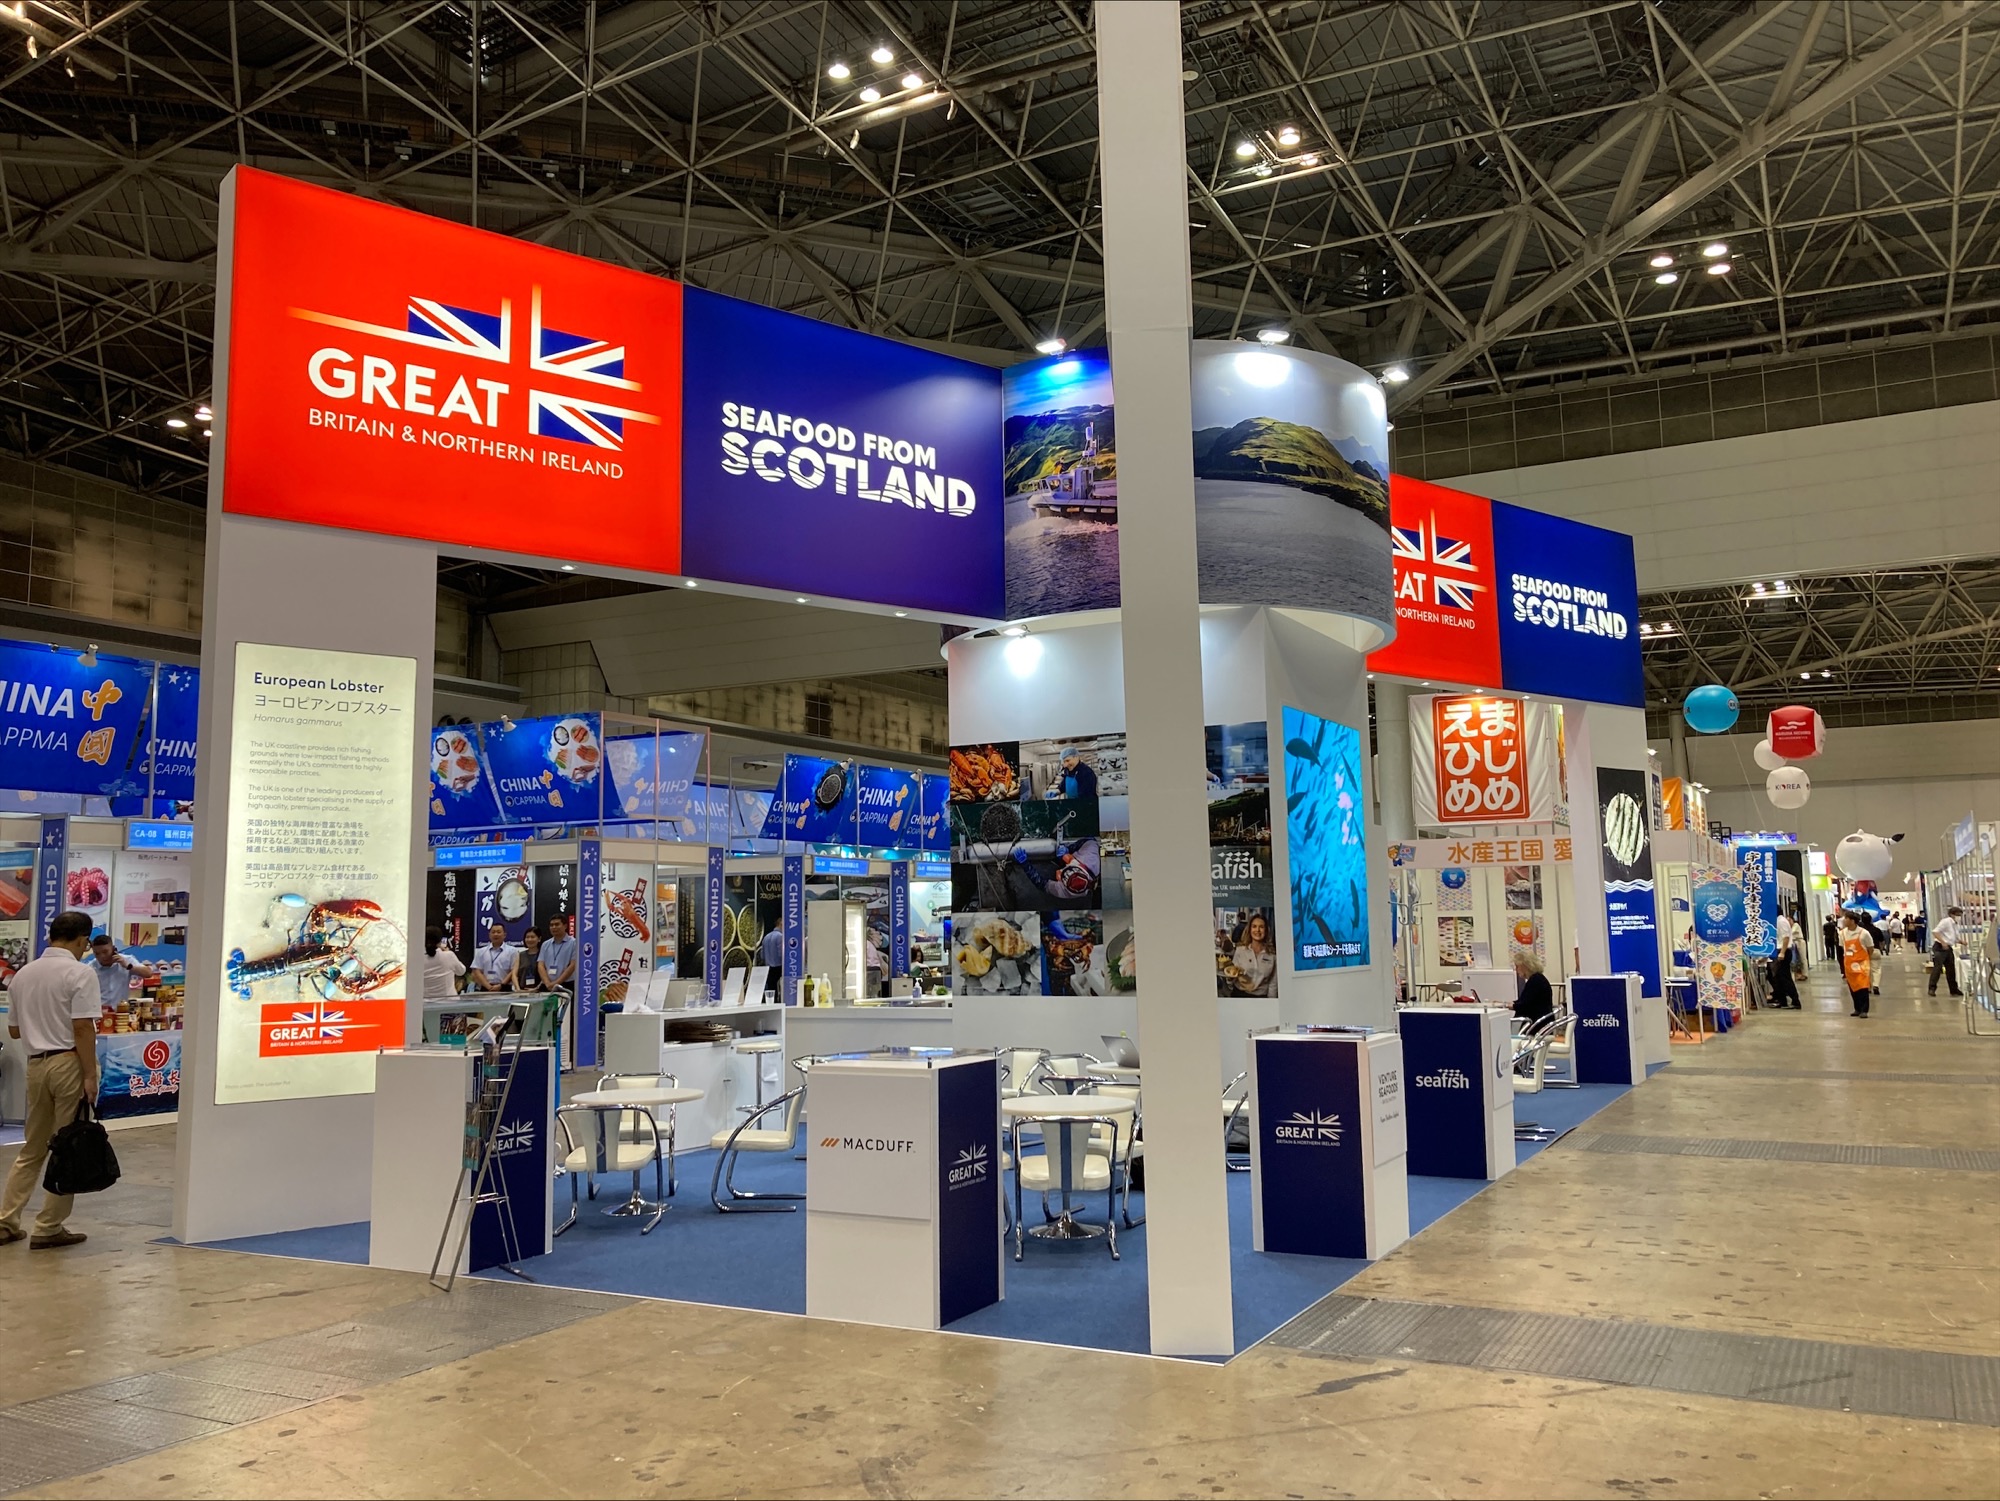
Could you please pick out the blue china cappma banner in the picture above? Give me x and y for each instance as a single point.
(891, 805)
(935, 829)
(653, 777)
(547, 770)
(461, 792)
(817, 802)
(68, 727)
(170, 748)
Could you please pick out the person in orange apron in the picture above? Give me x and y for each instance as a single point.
(1857, 949)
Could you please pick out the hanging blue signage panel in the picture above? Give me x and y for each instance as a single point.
(547, 770)
(1569, 608)
(816, 802)
(899, 919)
(461, 791)
(848, 465)
(891, 806)
(65, 727)
(177, 711)
(450, 856)
(154, 835)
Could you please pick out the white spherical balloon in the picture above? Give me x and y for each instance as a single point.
(1788, 787)
(1862, 856)
(1767, 758)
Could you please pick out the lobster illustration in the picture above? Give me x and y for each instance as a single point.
(343, 949)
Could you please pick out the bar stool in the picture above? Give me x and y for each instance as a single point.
(757, 1048)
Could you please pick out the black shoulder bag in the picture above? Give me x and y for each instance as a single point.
(80, 1157)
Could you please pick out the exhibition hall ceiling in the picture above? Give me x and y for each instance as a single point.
(1477, 193)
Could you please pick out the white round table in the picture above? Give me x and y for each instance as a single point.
(1064, 1112)
(1118, 1073)
(643, 1101)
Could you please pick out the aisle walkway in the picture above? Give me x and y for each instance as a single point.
(1771, 1270)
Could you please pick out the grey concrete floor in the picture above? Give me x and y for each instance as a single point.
(631, 1398)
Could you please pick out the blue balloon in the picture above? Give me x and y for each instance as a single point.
(1710, 710)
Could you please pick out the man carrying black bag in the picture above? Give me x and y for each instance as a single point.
(54, 1007)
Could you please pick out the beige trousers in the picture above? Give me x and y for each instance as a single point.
(55, 1088)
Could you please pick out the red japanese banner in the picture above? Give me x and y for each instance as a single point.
(1481, 761)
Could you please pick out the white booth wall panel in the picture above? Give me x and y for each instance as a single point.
(1596, 735)
(259, 1167)
(1807, 500)
(685, 640)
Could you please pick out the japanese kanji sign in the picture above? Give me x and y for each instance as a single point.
(1481, 767)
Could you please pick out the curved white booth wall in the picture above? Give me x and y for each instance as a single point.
(1067, 681)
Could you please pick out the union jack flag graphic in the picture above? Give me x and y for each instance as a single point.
(329, 1025)
(462, 329)
(1447, 553)
(554, 352)
(1456, 592)
(1407, 543)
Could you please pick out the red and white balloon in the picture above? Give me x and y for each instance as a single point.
(1796, 733)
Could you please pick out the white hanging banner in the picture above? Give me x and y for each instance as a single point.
(1482, 758)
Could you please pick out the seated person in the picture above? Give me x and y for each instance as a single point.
(1537, 1001)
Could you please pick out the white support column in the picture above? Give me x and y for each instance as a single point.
(1392, 759)
(1142, 136)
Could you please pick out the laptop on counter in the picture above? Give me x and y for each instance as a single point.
(1121, 1050)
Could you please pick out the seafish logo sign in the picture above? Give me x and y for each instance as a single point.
(1309, 1128)
(1606, 1020)
(1444, 1078)
(481, 405)
(968, 1167)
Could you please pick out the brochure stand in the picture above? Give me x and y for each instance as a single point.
(903, 1210)
(1459, 1062)
(1609, 1020)
(1327, 1132)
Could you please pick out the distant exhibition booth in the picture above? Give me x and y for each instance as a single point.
(956, 948)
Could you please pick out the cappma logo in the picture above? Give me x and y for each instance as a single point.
(1310, 1128)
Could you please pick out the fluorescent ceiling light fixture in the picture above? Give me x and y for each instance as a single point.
(881, 55)
(1054, 344)
(1395, 375)
(177, 422)
(1661, 261)
(1666, 278)
(1288, 135)
(1246, 149)
(1719, 268)
(838, 71)
(1274, 335)
(870, 94)
(1715, 250)
(912, 81)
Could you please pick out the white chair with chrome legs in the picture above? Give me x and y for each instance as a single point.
(757, 1049)
(1561, 1034)
(1235, 1112)
(750, 1137)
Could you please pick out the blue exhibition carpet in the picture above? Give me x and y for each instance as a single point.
(1072, 1294)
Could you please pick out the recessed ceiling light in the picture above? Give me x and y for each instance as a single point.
(1719, 268)
(802, 599)
(839, 71)
(882, 56)
(1666, 278)
(1395, 375)
(1661, 261)
(1288, 135)
(569, 568)
(691, 583)
(902, 614)
(1246, 149)
(1715, 250)
(870, 94)
(912, 81)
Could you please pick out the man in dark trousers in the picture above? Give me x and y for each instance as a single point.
(54, 1016)
(1830, 929)
(1944, 952)
(1784, 990)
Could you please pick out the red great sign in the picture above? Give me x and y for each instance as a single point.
(1447, 606)
(442, 383)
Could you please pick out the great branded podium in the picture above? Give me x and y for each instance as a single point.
(903, 1187)
(1327, 1175)
(1458, 1065)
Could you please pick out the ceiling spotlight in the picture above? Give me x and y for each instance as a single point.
(1805, 674)
(1777, 583)
(1826, 674)
(801, 598)
(870, 94)
(902, 614)
(1715, 250)
(881, 56)
(1262, 169)
(1053, 344)
(1015, 630)
(1246, 149)
(1395, 375)
(569, 568)
(913, 81)
(691, 583)
(1719, 268)
(1758, 587)
(1666, 278)
(206, 433)
(1274, 335)
(89, 658)
(839, 71)
(203, 412)
(1661, 261)
(507, 722)
(1310, 159)
(1288, 135)
(177, 422)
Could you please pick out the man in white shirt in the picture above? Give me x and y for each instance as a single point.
(1895, 927)
(1944, 951)
(494, 963)
(1784, 990)
(53, 1012)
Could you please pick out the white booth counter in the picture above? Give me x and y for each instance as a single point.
(903, 1188)
(816, 1031)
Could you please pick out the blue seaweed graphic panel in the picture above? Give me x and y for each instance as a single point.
(1327, 832)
